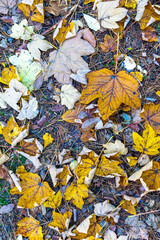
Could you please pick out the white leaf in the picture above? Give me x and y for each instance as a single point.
(129, 63)
(11, 97)
(92, 22)
(22, 30)
(80, 76)
(69, 95)
(29, 110)
(114, 148)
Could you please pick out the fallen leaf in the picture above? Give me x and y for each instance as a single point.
(60, 222)
(110, 235)
(54, 200)
(143, 160)
(53, 173)
(56, 7)
(151, 115)
(111, 90)
(149, 35)
(37, 45)
(29, 227)
(6, 209)
(109, 45)
(63, 177)
(6, 5)
(29, 110)
(92, 22)
(68, 59)
(27, 68)
(22, 30)
(107, 168)
(3, 157)
(151, 177)
(88, 35)
(88, 136)
(80, 76)
(8, 74)
(149, 143)
(136, 175)
(146, 13)
(4, 174)
(64, 157)
(109, 13)
(76, 192)
(34, 192)
(32, 9)
(129, 63)
(47, 139)
(128, 206)
(69, 95)
(115, 148)
(128, 3)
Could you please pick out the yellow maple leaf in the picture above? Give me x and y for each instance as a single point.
(158, 93)
(152, 177)
(111, 90)
(149, 143)
(76, 192)
(54, 200)
(34, 192)
(8, 74)
(64, 29)
(151, 115)
(11, 131)
(128, 3)
(47, 139)
(109, 44)
(128, 206)
(29, 227)
(63, 177)
(137, 75)
(60, 221)
(35, 10)
(107, 167)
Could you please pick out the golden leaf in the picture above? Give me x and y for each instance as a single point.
(109, 45)
(76, 192)
(128, 206)
(30, 148)
(152, 177)
(47, 139)
(29, 227)
(151, 115)
(34, 11)
(111, 90)
(149, 35)
(149, 143)
(107, 167)
(63, 31)
(88, 136)
(88, 1)
(63, 177)
(60, 221)
(8, 74)
(71, 116)
(34, 192)
(128, 3)
(54, 200)
(11, 131)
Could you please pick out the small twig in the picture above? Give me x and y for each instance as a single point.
(117, 53)
(145, 213)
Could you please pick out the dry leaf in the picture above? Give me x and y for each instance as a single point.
(128, 206)
(149, 143)
(33, 9)
(29, 110)
(22, 30)
(37, 45)
(109, 14)
(109, 45)
(149, 35)
(56, 7)
(29, 227)
(47, 139)
(92, 22)
(129, 63)
(5, 5)
(88, 35)
(68, 59)
(69, 95)
(4, 174)
(76, 192)
(135, 176)
(34, 192)
(60, 222)
(147, 13)
(3, 157)
(53, 173)
(6, 209)
(128, 3)
(8, 74)
(115, 148)
(63, 177)
(54, 200)
(151, 115)
(64, 157)
(111, 90)
(80, 76)
(110, 235)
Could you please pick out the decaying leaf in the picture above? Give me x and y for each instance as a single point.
(128, 206)
(69, 95)
(111, 90)
(8, 74)
(129, 63)
(92, 22)
(88, 35)
(63, 177)
(128, 3)
(109, 13)
(3, 157)
(56, 7)
(111, 235)
(34, 192)
(47, 139)
(149, 143)
(76, 192)
(149, 35)
(135, 176)
(29, 110)
(22, 30)
(29, 227)
(60, 221)
(109, 44)
(38, 44)
(151, 115)
(115, 148)
(68, 59)
(32, 9)
(54, 200)
(80, 76)
(5, 5)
